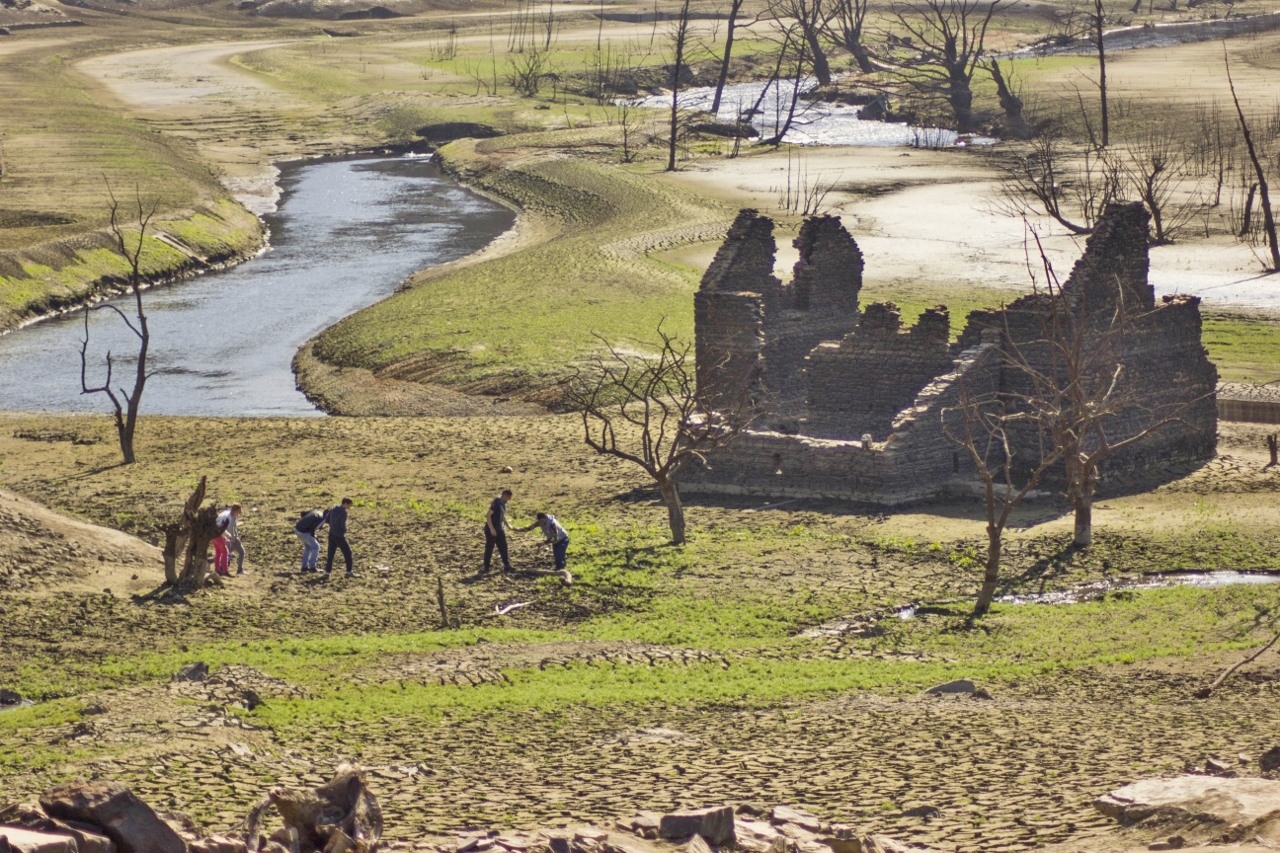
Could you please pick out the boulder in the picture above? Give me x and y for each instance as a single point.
(9, 697)
(645, 824)
(960, 685)
(88, 838)
(797, 817)
(217, 844)
(197, 671)
(756, 836)
(715, 824)
(123, 818)
(1270, 760)
(29, 841)
(698, 845)
(884, 844)
(1202, 799)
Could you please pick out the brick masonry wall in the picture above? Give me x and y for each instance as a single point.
(860, 385)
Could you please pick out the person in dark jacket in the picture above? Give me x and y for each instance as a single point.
(495, 531)
(306, 529)
(336, 518)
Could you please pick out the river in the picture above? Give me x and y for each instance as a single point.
(347, 232)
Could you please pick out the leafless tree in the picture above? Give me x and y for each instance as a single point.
(1075, 388)
(735, 9)
(808, 17)
(1268, 216)
(845, 27)
(647, 409)
(982, 424)
(949, 37)
(1156, 170)
(1016, 123)
(679, 41)
(526, 72)
(1047, 176)
(125, 404)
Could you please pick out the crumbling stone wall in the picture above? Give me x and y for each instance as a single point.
(788, 321)
(827, 375)
(848, 388)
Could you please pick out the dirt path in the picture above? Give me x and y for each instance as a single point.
(237, 120)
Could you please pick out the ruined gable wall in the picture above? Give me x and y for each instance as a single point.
(828, 273)
(728, 312)
(1115, 254)
(861, 384)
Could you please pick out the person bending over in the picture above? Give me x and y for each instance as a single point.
(306, 529)
(555, 536)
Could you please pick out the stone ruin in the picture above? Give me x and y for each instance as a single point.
(850, 403)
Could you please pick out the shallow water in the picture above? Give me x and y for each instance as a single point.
(347, 232)
(1074, 595)
(814, 123)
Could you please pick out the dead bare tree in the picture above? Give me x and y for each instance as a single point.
(679, 41)
(735, 8)
(948, 38)
(1016, 123)
(845, 28)
(648, 410)
(1073, 385)
(1268, 216)
(981, 424)
(125, 404)
(808, 17)
(1156, 169)
(1047, 176)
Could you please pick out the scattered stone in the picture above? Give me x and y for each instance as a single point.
(506, 469)
(759, 837)
(924, 810)
(884, 844)
(645, 825)
(126, 820)
(1270, 760)
(698, 845)
(960, 685)
(753, 809)
(29, 841)
(715, 824)
(217, 844)
(588, 834)
(1202, 799)
(197, 671)
(9, 697)
(1173, 842)
(797, 817)
(1216, 768)
(980, 693)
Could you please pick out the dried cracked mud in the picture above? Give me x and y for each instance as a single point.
(1010, 773)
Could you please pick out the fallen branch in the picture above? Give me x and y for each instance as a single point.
(1206, 692)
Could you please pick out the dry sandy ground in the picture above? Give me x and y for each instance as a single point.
(922, 217)
(235, 118)
(46, 551)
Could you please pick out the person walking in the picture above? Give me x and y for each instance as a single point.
(306, 529)
(221, 556)
(554, 535)
(336, 518)
(495, 531)
(227, 521)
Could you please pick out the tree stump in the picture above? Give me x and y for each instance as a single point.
(186, 543)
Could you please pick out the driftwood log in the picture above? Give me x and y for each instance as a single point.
(186, 543)
(338, 817)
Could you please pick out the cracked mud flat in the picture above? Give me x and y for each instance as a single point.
(1006, 774)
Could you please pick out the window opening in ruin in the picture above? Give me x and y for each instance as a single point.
(777, 463)
(955, 463)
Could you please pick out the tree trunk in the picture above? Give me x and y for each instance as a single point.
(734, 8)
(1082, 483)
(681, 34)
(1098, 21)
(1011, 104)
(991, 576)
(821, 67)
(186, 545)
(861, 57)
(675, 509)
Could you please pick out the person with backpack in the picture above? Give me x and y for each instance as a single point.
(231, 540)
(554, 535)
(306, 529)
